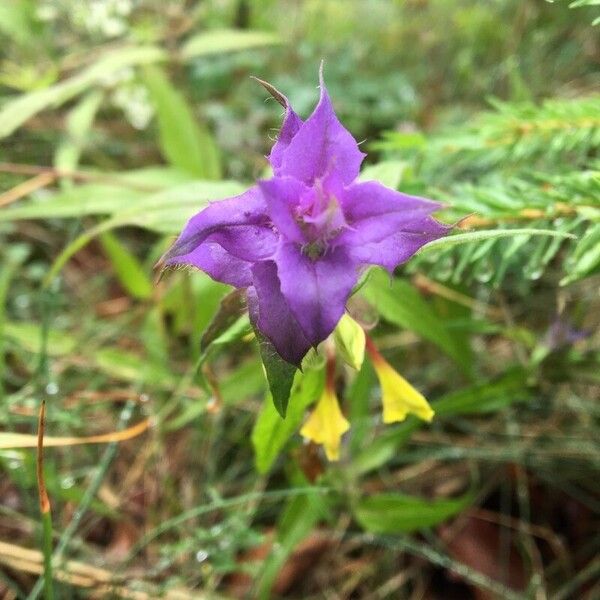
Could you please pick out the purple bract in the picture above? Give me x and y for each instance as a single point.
(299, 240)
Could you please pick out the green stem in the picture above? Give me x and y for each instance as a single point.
(47, 547)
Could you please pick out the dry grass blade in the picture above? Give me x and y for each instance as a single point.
(23, 440)
(27, 187)
(98, 581)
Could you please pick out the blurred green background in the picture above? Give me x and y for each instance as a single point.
(119, 119)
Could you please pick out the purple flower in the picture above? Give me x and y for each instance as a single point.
(299, 241)
(561, 333)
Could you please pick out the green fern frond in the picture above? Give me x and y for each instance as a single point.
(520, 165)
(566, 130)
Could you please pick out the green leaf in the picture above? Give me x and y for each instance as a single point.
(165, 212)
(127, 268)
(384, 447)
(280, 374)
(160, 210)
(184, 142)
(79, 201)
(13, 260)
(388, 172)
(18, 21)
(128, 366)
(231, 308)
(586, 257)
(271, 431)
(192, 300)
(246, 381)
(399, 303)
(486, 397)
(29, 335)
(78, 124)
(15, 112)
(154, 336)
(233, 332)
(169, 210)
(397, 513)
(358, 395)
(218, 41)
(482, 235)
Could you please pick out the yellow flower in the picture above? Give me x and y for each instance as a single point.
(398, 396)
(326, 424)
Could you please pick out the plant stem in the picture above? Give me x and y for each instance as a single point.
(44, 508)
(86, 500)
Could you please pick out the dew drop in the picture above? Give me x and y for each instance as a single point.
(52, 389)
(484, 277)
(201, 555)
(67, 483)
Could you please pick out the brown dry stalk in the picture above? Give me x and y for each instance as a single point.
(24, 169)
(423, 282)
(44, 500)
(526, 214)
(27, 187)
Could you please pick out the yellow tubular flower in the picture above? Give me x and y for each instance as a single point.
(326, 424)
(399, 398)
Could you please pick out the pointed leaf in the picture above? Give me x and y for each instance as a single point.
(218, 41)
(397, 513)
(184, 142)
(280, 374)
(127, 267)
(231, 308)
(480, 236)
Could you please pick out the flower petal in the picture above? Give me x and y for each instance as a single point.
(399, 397)
(392, 251)
(321, 144)
(214, 260)
(326, 424)
(386, 227)
(316, 290)
(374, 211)
(282, 195)
(247, 242)
(239, 225)
(291, 124)
(271, 314)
